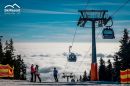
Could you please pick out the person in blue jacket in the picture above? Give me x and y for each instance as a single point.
(55, 73)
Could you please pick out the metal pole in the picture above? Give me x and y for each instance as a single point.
(94, 60)
(82, 21)
(94, 74)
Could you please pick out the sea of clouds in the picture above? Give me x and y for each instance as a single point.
(50, 55)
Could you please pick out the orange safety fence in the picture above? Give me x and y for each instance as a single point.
(6, 71)
(128, 75)
(125, 76)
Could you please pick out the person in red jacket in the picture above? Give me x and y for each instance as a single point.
(37, 73)
(32, 73)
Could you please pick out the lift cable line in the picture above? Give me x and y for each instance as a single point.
(103, 21)
(73, 40)
(88, 51)
(70, 47)
(90, 46)
(72, 56)
(120, 7)
(107, 26)
(77, 27)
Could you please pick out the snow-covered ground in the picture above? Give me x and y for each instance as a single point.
(50, 55)
(27, 83)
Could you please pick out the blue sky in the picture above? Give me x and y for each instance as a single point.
(56, 20)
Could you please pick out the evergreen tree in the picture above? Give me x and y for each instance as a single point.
(1, 50)
(128, 60)
(85, 76)
(14, 61)
(23, 70)
(116, 69)
(102, 70)
(122, 57)
(6, 46)
(80, 78)
(123, 51)
(19, 68)
(6, 60)
(11, 47)
(109, 71)
(9, 55)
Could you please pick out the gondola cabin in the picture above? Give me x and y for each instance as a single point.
(108, 33)
(72, 57)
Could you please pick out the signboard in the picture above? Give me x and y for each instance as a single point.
(125, 76)
(6, 71)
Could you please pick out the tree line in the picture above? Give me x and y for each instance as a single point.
(111, 72)
(7, 56)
